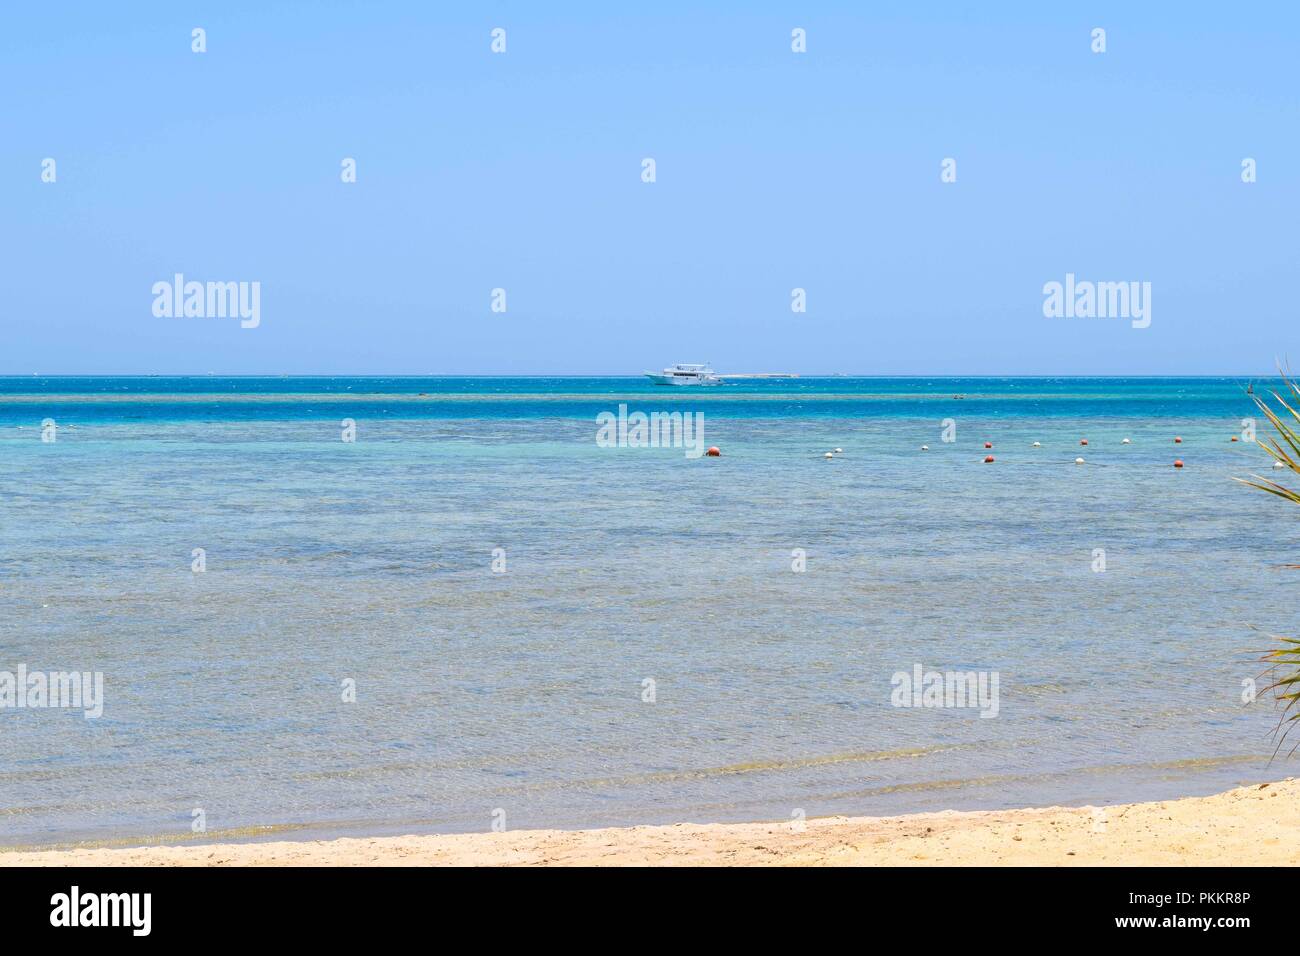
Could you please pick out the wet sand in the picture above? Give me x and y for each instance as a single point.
(1256, 825)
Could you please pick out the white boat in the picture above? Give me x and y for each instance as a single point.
(685, 375)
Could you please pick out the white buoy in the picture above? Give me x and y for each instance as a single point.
(830, 455)
(1278, 464)
(925, 448)
(1078, 461)
(1038, 444)
(839, 451)
(1126, 442)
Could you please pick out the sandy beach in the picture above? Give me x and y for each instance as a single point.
(1256, 825)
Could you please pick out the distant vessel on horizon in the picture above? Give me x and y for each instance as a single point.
(704, 375)
(685, 375)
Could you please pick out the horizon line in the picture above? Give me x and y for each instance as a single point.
(782, 376)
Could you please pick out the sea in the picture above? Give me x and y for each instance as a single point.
(324, 606)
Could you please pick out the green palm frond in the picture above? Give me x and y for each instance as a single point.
(1283, 662)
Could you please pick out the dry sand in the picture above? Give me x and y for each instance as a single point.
(1257, 825)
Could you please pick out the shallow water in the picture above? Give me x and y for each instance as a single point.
(522, 691)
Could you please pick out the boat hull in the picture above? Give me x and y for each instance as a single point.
(679, 379)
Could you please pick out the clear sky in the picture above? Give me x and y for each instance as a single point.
(774, 170)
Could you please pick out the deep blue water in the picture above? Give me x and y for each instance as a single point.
(253, 398)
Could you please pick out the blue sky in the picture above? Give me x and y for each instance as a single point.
(522, 171)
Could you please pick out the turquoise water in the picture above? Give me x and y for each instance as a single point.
(522, 691)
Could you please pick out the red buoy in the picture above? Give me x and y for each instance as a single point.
(987, 459)
(988, 444)
(1233, 438)
(1177, 440)
(1178, 463)
(1083, 441)
(713, 451)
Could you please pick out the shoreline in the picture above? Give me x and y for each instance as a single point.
(1255, 825)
